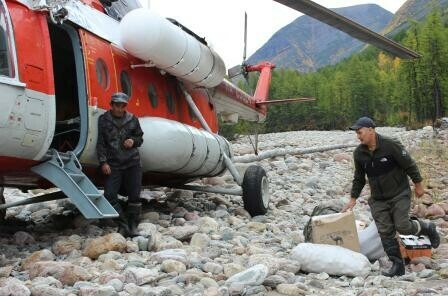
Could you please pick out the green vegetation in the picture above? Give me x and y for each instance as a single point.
(394, 92)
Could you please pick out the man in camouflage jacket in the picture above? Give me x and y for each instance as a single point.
(119, 136)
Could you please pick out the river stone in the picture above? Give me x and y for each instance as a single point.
(170, 265)
(253, 276)
(97, 291)
(44, 290)
(65, 272)
(142, 243)
(207, 225)
(211, 291)
(6, 271)
(22, 238)
(212, 267)
(67, 245)
(174, 254)
(42, 255)
(289, 289)
(13, 287)
(200, 240)
(256, 226)
(166, 242)
(357, 282)
(108, 276)
(231, 269)
(104, 244)
(270, 261)
(140, 276)
(273, 281)
(183, 233)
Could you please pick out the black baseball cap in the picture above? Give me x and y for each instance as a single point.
(363, 122)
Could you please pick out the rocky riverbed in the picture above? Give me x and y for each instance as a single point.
(207, 244)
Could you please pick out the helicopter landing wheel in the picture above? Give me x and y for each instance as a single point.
(2, 201)
(256, 191)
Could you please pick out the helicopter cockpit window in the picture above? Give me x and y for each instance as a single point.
(152, 94)
(102, 74)
(126, 85)
(6, 68)
(117, 9)
(170, 103)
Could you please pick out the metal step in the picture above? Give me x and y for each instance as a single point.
(77, 177)
(65, 171)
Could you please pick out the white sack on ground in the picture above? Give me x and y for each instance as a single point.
(370, 242)
(333, 260)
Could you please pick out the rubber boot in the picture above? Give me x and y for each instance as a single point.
(392, 250)
(133, 213)
(429, 229)
(121, 221)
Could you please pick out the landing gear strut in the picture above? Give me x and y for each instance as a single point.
(254, 184)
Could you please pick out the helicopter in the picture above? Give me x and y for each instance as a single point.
(60, 62)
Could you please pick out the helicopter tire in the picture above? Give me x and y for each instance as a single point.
(255, 190)
(2, 201)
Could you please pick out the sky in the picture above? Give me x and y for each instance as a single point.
(222, 22)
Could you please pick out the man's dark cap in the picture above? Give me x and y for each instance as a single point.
(363, 122)
(119, 97)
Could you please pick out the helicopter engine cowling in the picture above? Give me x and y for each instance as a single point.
(150, 37)
(172, 147)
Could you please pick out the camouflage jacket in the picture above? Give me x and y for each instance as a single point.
(112, 133)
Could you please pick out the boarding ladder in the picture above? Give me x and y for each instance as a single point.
(65, 171)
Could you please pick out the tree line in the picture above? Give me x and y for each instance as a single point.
(393, 91)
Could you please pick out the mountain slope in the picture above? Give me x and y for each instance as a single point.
(307, 44)
(412, 10)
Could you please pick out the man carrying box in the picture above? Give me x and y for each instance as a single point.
(387, 165)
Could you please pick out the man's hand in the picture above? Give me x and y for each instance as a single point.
(349, 206)
(128, 143)
(419, 191)
(105, 168)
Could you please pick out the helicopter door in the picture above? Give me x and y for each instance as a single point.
(70, 91)
(101, 83)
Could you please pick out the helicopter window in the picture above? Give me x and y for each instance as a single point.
(152, 95)
(5, 58)
(170, 103)
(126, 85)
(102, 73)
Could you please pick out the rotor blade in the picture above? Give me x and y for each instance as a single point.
(245, 37)
(350, 27)
(286, 101)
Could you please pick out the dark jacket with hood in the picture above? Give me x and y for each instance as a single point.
(387, 169)
(112, 132)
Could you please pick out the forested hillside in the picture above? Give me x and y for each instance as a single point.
(392, 91)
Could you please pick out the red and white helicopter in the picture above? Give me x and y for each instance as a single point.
(60, 62)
